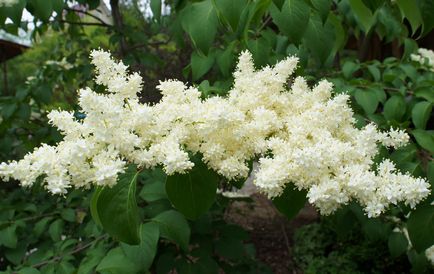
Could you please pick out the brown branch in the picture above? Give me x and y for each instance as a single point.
(85, 23)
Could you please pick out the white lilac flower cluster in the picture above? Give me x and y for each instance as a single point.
(424, 57)
(301, 136)
(7, 3)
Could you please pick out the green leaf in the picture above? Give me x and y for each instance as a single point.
(8, 236)
(225, 60)
(293, 18)
(323, 8)
(200, 21)
(260, 50)
(116, 262)
(28, 270)
(394, 108)
(279, 3)
(348, 69)
(116, 208)
(15, 11)
(68, 214)
(153, 191)
(194, 192)
(42, 9)
(290, 202)
(320, 38)
(174, 226)
(367, 99)
(424, 139)
(426, 7)
(420, 226)
(143, 255)
(58, 6)
(410, 11)
(201, 64)
(426, 93)
(397, 244)
(55, 230)
(363, 14)
(91, 260)
(156, 9)
(420, 114)
(375, 72)
(230, 11)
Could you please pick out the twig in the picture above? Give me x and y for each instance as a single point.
(87, 13)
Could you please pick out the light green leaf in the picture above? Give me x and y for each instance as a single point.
(426, 93)
(116, 208)
(363, 14)
(201, 64)
(420, 226)
(290, 202)
(367, 99)
(200, 21)
(193, 193)
(394, 108)
(143, 255)
(116, 262)
(292, 20)
(174, 226)
(420, 114)
(348, 68)
(424, 139)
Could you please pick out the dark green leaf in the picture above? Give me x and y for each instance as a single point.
(323, 8)
(293, 18)
(55, 230)
(320, 38)
(398, 244)
(420, 227)
(290, 202)
(230, 11)
(348, 69)
(8, 236)
(116, 208)
(174, 226)
(153, 191)
(363, 14)
(193, 193)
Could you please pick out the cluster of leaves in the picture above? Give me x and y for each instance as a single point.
(46, 234)
(326, 248)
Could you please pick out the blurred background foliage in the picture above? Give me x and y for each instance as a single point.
(363, 47)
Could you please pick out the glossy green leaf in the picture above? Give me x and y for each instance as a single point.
(394, 108)
(420, 226)
(290, 202)
(116, 208)
(201, 64)
(142, 255)
(398, 244)
(174, 226)
(200, 22)
(425, 139)
(193, 193)
(367, 99)
(420, 114)
(293, 18)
